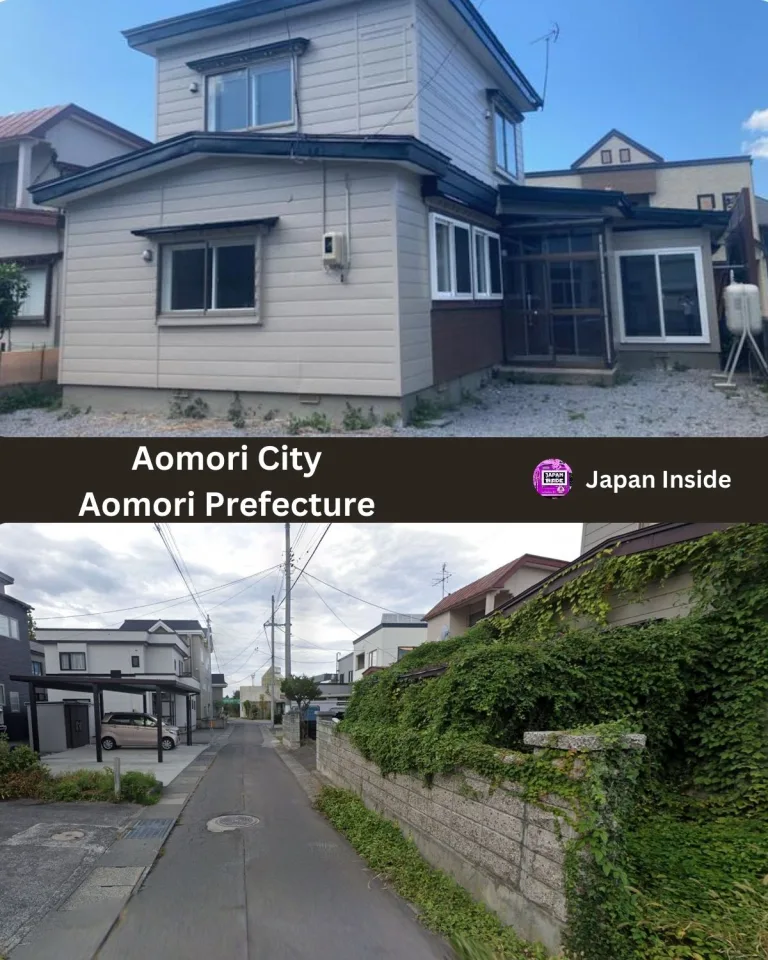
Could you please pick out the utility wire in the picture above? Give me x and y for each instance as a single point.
(325, 534)
(360, 599)
(322, 599)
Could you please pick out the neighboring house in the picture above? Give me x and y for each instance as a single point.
(200, 645)
(218, 686)
(388, 642)
(34, 146)
(140, 649)
(15, 658)
(262, 693)
(318, 221)
(465, 607)
(666, 600)
(619, 163)
(346, 667)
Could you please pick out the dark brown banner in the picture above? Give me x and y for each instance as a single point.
(451, 480)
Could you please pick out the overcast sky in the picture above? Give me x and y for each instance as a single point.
(75, 572)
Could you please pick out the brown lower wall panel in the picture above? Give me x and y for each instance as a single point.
(466, 337)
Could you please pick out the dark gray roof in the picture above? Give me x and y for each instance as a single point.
(181, 626)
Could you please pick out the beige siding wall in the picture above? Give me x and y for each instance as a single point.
(414, 285)
(318, 336)
(357, 75)
(667, 240)
(453, 110)
(570, 180)
(614, 145)
(593, 534)
(680, 186)
(77, 142)
(672, 599)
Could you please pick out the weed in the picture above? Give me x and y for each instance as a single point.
(316, 421)
(270, 415)
(622, 378)
(69, 413)
(472, 399)
(185, 408)
(576, 415)
(29, 398)
(390, 419)
(424, 410)
(236, 413)
(678, 367)
(355, 420)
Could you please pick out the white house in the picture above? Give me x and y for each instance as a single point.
(40, 145)
(143, 650)
(388, 642)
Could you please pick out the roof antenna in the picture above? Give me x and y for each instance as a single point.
(549, 38)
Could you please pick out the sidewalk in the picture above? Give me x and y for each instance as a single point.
(287, 887)
(73, 923)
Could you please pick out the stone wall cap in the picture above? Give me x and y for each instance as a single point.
(582, 742)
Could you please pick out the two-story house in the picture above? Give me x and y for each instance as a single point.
(39, 145)
(386, 643)
(143, 650)
(15, 658)
(335, 211)
(465, 607)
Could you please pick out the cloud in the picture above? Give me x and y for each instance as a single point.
(757, 122)
(68, 569)
(757, 148)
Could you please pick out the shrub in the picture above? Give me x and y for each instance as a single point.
(137, 787)
(355, 420)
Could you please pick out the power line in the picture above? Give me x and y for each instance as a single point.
(188, 585)
(317, 592)
(325, 533)
(360, 599)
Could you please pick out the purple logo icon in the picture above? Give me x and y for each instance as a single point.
(552, 478)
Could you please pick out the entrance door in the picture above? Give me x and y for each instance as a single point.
(76, 725)
(555, 309)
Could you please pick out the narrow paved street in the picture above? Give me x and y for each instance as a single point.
(286, 888)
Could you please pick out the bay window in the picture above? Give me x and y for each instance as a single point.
(662, 296)
(255, 97)
(466, 261)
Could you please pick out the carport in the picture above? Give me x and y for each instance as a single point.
(96, 685)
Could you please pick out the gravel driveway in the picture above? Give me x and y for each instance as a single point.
(650, 404)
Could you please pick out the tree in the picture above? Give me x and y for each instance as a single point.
(300, 690)
(31, 627)
(14, 289)
(247, 709)
(236, 695)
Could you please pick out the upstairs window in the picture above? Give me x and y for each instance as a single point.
(9, 627)
(606, 156)
(624, 155)
(72, 661)
(506, 131)
(257, 97)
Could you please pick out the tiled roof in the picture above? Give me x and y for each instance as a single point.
(493, 581)
(25, 124)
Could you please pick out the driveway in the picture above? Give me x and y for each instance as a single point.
(144, 761)
(646, 404)
(46, 851)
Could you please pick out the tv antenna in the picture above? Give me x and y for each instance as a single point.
(549, 38)
(443, 579)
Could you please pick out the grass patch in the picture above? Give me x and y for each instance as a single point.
(355, 420)
(445, 907)
(30, 397)
(188, 408)
(316, 421)
(424, 411)
(702, 887)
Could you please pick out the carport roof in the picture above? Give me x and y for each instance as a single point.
(85, 683)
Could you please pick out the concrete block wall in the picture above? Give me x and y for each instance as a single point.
(509, 854)
(292, 730)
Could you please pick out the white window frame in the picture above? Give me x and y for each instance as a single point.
(70, 668)
(2, 695)
(14, 701)
(487, 236)
(9, 628)
(701, 290)
(166, 278)
(515, 124)
(452, 223)
(24, 312)
(248, 69)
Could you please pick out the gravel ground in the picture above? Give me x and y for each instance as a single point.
(650, 404)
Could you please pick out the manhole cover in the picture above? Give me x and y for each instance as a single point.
(68, 835)
(234, 822)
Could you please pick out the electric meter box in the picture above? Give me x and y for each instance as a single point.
(334, 250)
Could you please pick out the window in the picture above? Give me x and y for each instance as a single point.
(209, 276)
(2, 694)
(37, 668)
(706, 201)
(14, 701)
(9, 627)
(624, 155)
(662, 296)
(373, 658)
(72, 661)
(34, 305)
(487, 247)
(360, 661)
(506, 132)
(729, 200)
(606, 156)
(403, 652)
(451, 259)
(134, 661)
(8, 178)
(121, 719)
(350, 676)
(257, 97)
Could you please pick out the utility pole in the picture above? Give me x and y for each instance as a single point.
(442, 579)
(272, 647)
(287, 601)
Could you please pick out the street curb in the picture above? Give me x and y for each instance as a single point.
(63, 926)
(311, 782)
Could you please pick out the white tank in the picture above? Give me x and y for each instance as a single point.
(742, 308)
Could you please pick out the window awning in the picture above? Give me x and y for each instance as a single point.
(239, 58)
(204, 227)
